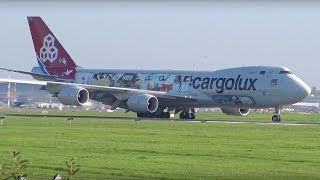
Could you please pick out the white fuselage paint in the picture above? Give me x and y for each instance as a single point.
(243, 87)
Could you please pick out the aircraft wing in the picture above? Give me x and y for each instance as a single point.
(123, 93)
(44, 76)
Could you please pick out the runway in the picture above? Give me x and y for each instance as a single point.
(180, 120)
(257, 122)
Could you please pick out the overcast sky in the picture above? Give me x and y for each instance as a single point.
(170, 35)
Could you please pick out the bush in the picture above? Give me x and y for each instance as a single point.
(18, 166)
(1, 173)
(72, 168)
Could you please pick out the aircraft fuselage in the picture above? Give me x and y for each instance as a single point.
(243, 87)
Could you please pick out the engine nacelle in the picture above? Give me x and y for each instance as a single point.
(142, 103)
(235, 111)
(73, 95)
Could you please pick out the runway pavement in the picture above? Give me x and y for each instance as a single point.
(183, 120)
(257, 122)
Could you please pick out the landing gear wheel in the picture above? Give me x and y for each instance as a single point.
(192, 116)
(276, 118)
(186, 115)
(167, 115)
(181, 115)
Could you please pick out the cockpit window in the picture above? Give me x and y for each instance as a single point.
(285, 72)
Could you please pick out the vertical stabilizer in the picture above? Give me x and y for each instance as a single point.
(52, 58)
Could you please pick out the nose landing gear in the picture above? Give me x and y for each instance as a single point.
(277, 117)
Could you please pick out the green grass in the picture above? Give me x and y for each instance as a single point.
(261, 117)
(264, 117)
(125, 149)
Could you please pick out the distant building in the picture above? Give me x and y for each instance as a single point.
(309, 104)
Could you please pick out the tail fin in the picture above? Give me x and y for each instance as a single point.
(52, 58)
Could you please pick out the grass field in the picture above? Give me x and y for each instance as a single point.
(261, 117)
(125, 149)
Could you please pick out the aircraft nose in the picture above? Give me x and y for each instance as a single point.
(302, 90)
(305, 90)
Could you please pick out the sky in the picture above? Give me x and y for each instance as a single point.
(182, 35)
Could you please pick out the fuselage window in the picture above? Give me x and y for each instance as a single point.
(285, 72)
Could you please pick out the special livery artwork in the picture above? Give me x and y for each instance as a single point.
(166, 81)
(148, 81)
(233, 100)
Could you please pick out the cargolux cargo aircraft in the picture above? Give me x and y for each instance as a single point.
(152, 93)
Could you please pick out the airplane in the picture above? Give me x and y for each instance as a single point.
(155, 93)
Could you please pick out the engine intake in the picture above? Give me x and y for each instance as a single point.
(73, 95)
(142, 103)
(235, 111)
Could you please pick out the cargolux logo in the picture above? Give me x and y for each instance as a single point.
(220, 84)
(48, 52)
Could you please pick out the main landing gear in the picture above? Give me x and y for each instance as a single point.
(277, 117)
(163, 115)
(187, 115)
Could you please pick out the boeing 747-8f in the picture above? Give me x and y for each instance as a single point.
(152, 93)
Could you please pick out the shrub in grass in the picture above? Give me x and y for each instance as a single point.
(72, 168)
(18, 166)
(1, 173)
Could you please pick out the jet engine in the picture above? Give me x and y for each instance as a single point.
(144, 103)
(235, 111)
(73, 95)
